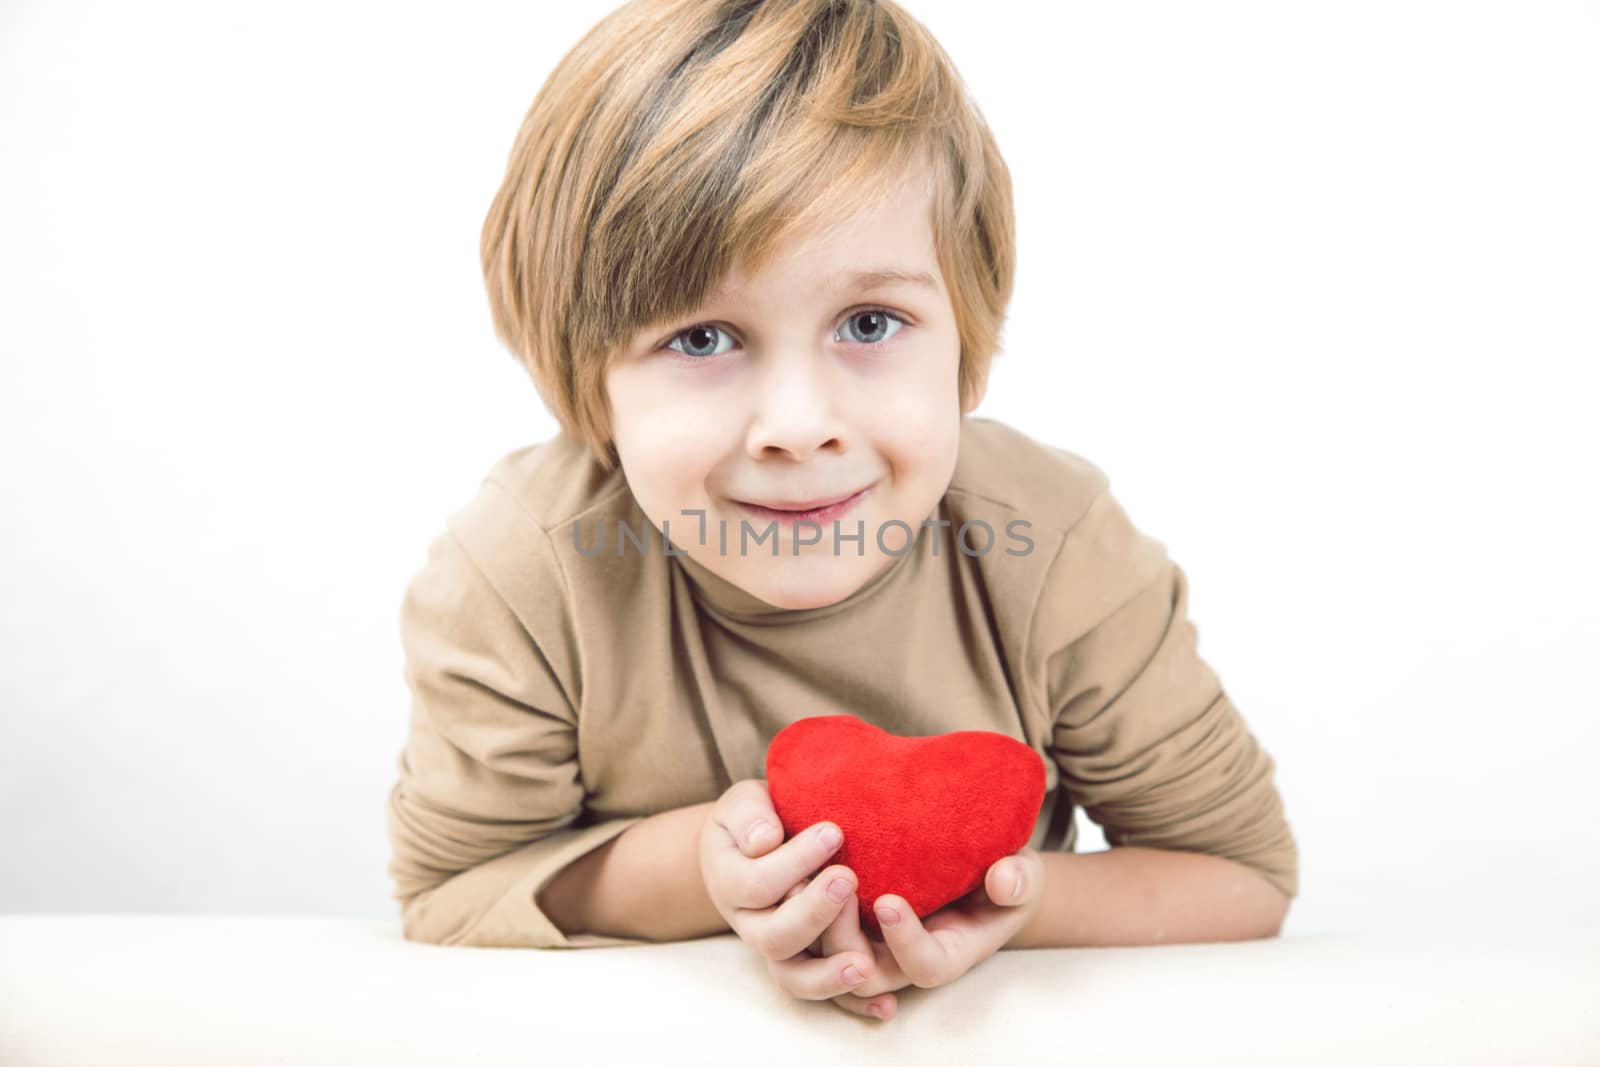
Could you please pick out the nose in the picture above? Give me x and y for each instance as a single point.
(795, 408)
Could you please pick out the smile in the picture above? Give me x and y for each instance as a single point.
(821, 514)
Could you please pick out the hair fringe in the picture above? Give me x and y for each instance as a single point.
(678, 138)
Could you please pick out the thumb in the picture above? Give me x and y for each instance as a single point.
(1008, 881)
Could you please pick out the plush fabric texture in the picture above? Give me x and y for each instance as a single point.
(923, 817)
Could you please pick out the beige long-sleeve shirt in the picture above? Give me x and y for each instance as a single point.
(560, 695)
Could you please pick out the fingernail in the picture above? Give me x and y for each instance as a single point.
(887, 915)
(758, 832)
(876, 1010)
(830, 837)
(852, 975)
(1017, 892)
(838, 889)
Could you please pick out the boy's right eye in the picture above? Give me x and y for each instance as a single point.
(700, 342)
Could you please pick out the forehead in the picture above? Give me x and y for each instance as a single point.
(888, 241)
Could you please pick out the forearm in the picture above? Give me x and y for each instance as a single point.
(1146, 896)
(645, 883)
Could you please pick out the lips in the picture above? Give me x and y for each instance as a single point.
(820, 509)
(808, 505)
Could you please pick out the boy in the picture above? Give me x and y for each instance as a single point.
(756, 257)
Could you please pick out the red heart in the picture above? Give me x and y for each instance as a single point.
(923, 817)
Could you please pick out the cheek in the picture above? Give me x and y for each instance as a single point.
(666, 465)
(923, 449)
(668, 447)
(919, 411)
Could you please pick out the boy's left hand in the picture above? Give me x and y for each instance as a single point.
(945, 946)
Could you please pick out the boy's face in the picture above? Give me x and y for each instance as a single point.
(772, 395)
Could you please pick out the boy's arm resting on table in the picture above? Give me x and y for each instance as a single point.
(1148, 742)
(495, 903)
(644, 884)
(489, 804)
(1145, 896)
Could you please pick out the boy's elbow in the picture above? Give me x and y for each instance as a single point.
(411, 926)
(420, 925)
(1268, 903)
(1275, 913)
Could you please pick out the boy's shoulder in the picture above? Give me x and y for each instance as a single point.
(555, 481)
(999, 466)
(509, 526)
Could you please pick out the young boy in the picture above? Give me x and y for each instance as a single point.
(756, 257)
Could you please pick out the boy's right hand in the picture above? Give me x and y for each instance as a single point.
(759, 888)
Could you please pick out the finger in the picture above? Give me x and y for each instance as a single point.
(1016, 879)
(761, 882)
(810, 977)
(815, 948)
(806, 911)
(1007, 882)
(926, 959)
(845, 934)
(747, 818)
(882, 1006)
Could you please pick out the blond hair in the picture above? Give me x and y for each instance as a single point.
(678, 138)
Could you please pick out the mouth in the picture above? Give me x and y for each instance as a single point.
(823, 509)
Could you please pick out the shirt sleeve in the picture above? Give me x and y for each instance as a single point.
(489, 804)
(1144, 736)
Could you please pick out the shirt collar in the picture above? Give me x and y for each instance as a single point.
(729, 601)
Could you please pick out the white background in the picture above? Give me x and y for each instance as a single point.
(1315, 284)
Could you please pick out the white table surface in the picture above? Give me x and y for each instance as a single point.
(117, 989)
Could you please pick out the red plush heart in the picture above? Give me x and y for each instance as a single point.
(923, 817)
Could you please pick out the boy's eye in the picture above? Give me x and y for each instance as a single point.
(866, 327)
(701, 341)
(877, 325)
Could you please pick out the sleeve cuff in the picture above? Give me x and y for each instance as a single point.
(511, 882)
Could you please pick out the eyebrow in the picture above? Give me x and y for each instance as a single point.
(867, 279)
(871, 279)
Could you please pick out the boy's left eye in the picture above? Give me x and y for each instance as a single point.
(879, 324)
(865, 327)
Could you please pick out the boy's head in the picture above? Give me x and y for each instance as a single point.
(670, 254)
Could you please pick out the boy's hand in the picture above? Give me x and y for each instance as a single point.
(951, 942)
(760, 889)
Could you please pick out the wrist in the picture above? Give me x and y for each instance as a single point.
(647, 884)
